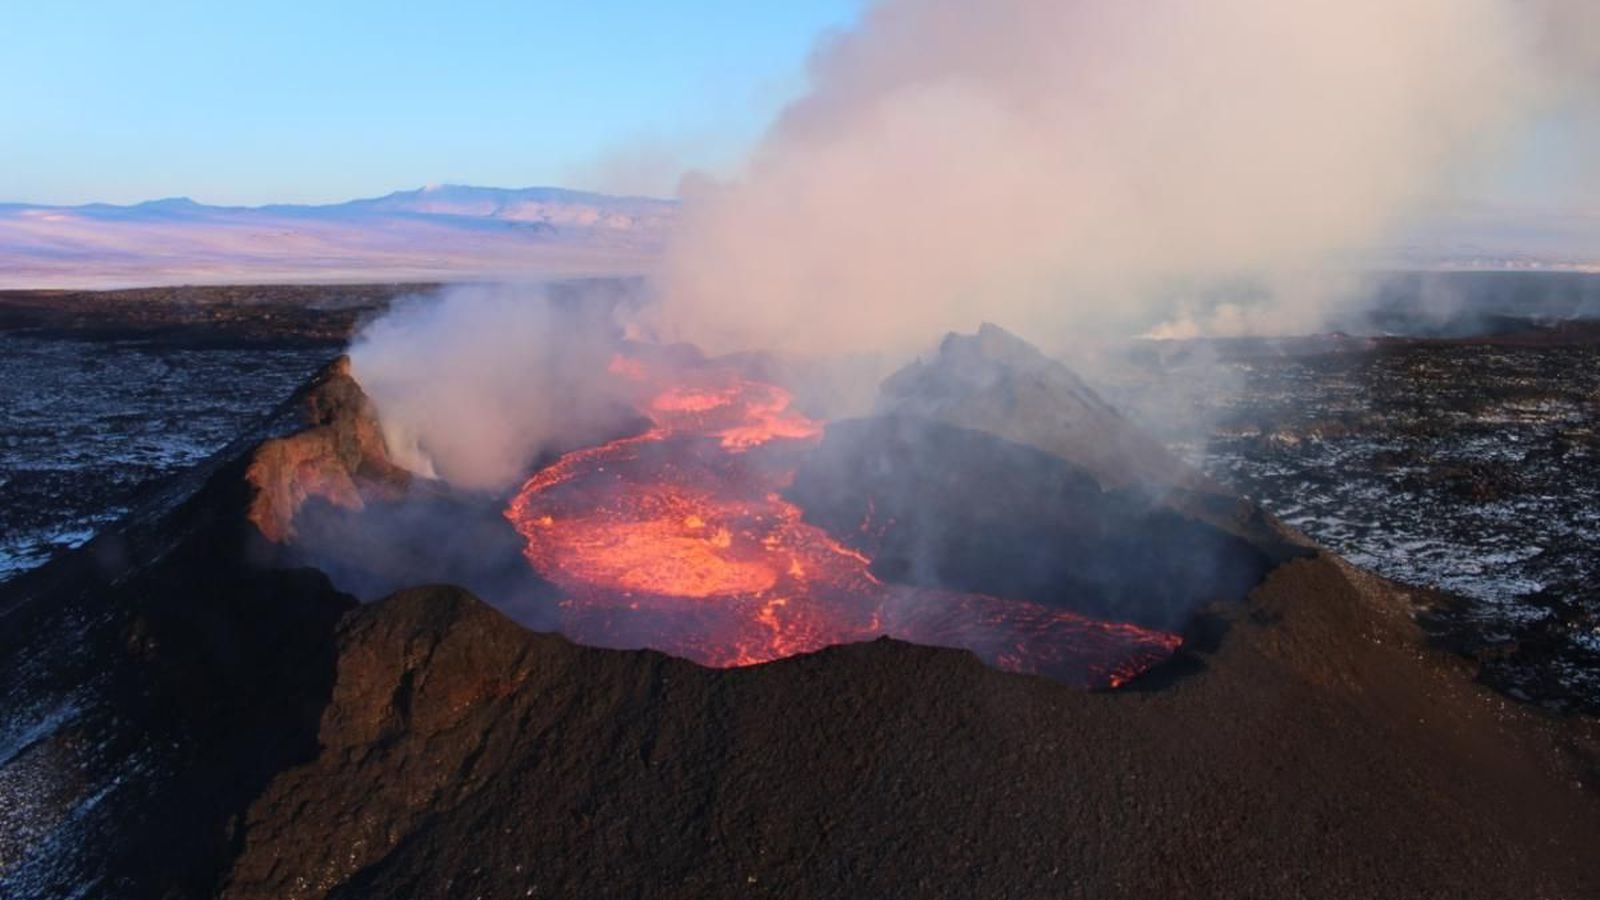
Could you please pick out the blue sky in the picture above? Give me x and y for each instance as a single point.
(246, 102)
(297, 101)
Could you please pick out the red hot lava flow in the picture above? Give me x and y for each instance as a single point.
(680, 539)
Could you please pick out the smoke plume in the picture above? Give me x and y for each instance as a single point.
(1072, 167)
(475, 384)
(1069, 169)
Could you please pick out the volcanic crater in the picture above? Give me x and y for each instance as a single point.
(729, 528)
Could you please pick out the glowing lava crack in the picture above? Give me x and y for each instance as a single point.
(680, 539)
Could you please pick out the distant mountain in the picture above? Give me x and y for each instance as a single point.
(460, 232)
(1494, 239)
(437, 232)
(556, 207)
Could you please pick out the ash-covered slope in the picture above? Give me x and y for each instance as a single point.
(273, 741)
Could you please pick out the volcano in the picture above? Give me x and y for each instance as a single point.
(192, 709)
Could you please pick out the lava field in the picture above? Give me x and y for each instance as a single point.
(1468, 466)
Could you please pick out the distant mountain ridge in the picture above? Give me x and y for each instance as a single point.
(1501, 238)
(509, 203)
(466, 232)
(442, 232)
(437, 199)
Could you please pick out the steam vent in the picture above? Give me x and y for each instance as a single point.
(990, 640)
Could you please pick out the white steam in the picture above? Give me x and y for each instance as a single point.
(1068, 169)
(1062, 166)
(473, 385)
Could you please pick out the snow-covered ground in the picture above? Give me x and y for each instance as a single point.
(85, 424)
(1470, 468)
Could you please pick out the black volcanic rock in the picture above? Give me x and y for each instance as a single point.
(202, 315)
(996, 382)
(339, 457)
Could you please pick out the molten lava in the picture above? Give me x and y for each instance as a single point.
(680, 539)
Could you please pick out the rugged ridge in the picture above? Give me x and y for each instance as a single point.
(998, 383)
(339, 456)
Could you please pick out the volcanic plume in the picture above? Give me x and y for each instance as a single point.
(1073, 168)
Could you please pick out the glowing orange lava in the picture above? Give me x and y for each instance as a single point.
(680, 539)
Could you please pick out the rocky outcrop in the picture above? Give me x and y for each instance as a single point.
(994, 381)
(999, 384)
(340, 456)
